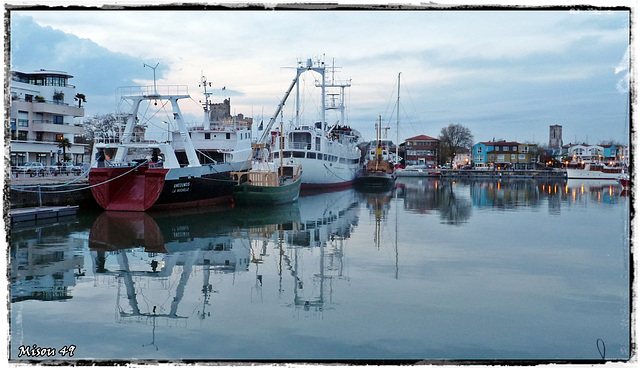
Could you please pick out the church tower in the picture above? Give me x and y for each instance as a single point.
(555, 137)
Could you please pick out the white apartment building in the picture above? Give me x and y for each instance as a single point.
(43, 109)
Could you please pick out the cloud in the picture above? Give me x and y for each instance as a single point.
(472, 68)
(623, 67)
(97, 71)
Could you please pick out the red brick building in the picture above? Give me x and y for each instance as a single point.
(422, 150)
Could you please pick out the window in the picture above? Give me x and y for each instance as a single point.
(58, 120)
(311, 155)
(479, 150)
(514, 148)
(22, 135)
(59, 137)
(23, 119)
(228, 135)
(39, 136)
(207, 135)
(298, 154)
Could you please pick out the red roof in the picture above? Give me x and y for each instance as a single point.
(421, 137)
(498, 143)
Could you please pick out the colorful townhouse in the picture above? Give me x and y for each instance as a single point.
(504, 155)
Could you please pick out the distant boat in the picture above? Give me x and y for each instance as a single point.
(378, 173)
(625, 180)
(133, 170)
(418, 171)
(595, 171)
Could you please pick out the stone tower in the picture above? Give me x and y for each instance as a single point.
(555, 137)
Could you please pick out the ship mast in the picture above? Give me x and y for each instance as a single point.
(203, 81)
(398, 121)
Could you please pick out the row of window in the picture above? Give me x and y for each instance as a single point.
(501, 157)
(525, 149)
(243, 135)
(314, 155)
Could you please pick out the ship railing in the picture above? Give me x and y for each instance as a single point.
(226, 125)
(135, 137)
(151, 91)
(300, 145)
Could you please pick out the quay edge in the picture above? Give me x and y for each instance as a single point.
(497, 174)
(77, 194)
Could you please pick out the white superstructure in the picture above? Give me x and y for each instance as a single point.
(327, 151)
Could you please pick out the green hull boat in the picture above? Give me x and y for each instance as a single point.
(258, 186)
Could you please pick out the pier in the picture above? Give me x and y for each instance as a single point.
(35, 214)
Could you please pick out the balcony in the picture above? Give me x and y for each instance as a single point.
(49, 126)
(48, 107)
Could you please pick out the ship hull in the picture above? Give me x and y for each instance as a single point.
(593, 174)
(141, 189)
(326, 174)
(252, 194)
(375, 181)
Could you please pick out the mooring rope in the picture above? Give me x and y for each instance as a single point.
(76, 189)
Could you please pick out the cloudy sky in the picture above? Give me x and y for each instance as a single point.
(506, 74)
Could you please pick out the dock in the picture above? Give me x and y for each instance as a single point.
(35, 214)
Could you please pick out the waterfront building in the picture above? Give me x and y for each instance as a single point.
(422, 150)
(603, 153)
(462, 158)
(43, 110)
(504, 154)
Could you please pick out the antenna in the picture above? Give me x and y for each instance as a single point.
(155, 91)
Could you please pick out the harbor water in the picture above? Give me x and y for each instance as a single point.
(434, 269)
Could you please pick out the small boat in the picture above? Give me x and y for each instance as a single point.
(378, 173)
(267, 182)
(595, 171)
(625, 181)
(418, 171)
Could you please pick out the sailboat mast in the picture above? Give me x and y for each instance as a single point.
(398, 120)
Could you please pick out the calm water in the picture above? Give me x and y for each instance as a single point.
(433, 270)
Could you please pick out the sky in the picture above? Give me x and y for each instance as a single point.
(505, 73)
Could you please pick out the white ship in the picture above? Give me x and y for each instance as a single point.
(327, 151)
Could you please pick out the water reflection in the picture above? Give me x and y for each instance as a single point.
(454, 200)
(313, 255)
(45, 261)
(313, 260)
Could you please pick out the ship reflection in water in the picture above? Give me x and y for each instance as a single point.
(152, 255)
(352, 269)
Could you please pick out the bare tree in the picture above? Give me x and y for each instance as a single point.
(452, 138)
(103, 126)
